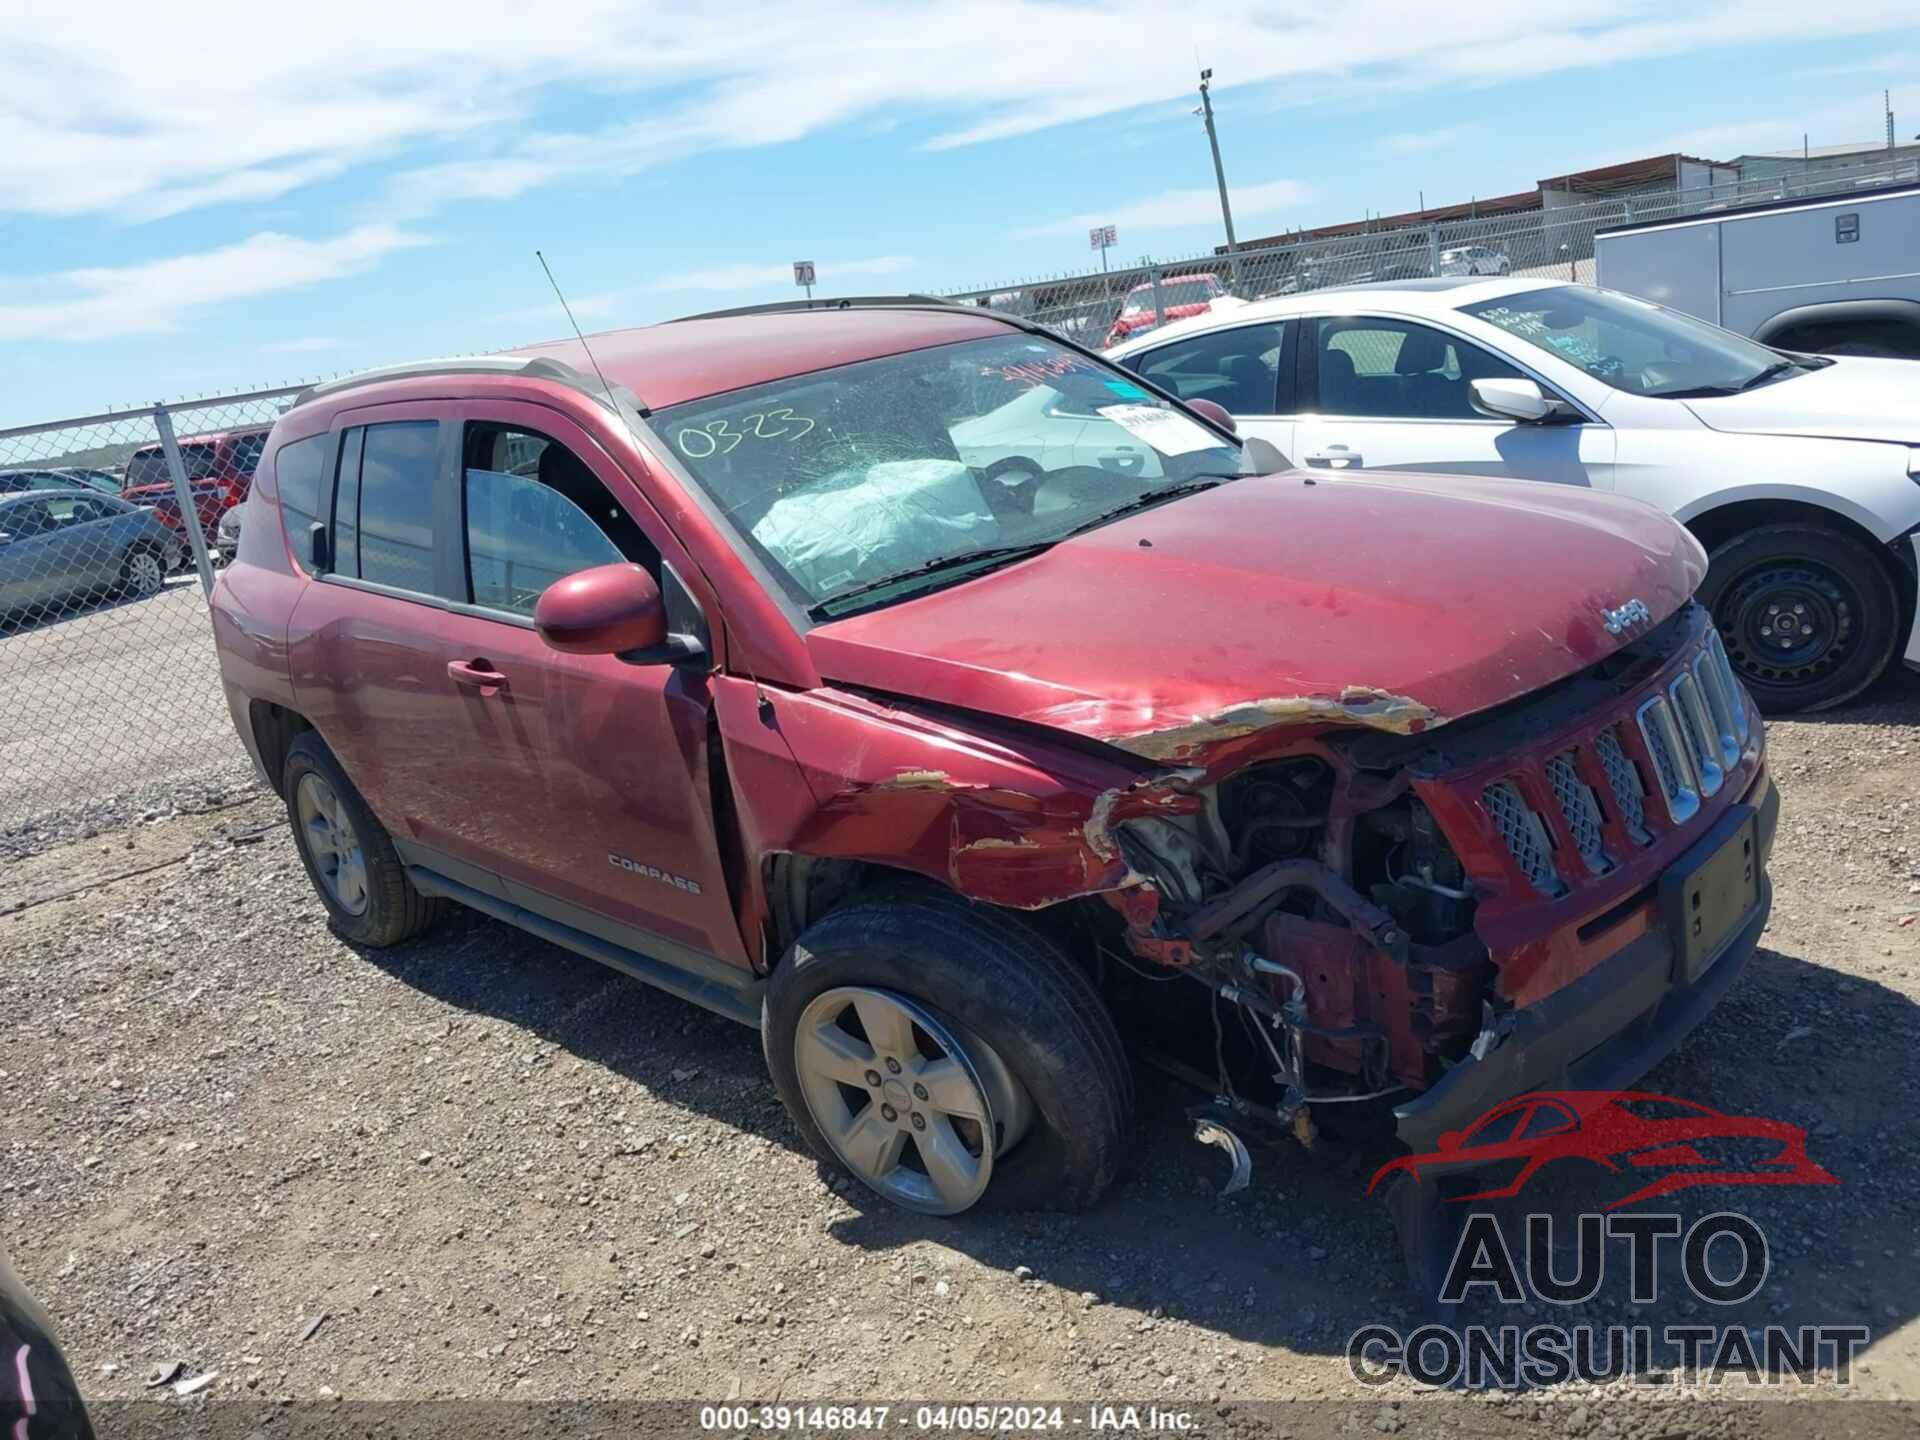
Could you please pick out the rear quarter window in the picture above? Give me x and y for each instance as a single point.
(297, 469)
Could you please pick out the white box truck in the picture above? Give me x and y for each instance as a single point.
(1835, 274)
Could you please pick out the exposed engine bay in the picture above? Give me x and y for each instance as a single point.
(1328, 920)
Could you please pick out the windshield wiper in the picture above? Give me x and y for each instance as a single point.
(1154, 497)
(990, 558)
(1704, 392)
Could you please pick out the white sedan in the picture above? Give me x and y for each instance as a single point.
(1799, 474)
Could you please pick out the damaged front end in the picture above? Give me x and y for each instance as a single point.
(1381, 913)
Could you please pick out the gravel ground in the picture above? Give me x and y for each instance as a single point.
(102, 701)
(479, 1167)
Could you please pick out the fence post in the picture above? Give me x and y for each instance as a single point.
(1433, 250)
(1159, 308)
(183, 492)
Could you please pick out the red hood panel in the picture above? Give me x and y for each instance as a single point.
(1397, 601)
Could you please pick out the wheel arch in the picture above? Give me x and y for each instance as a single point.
(1903, 314)
(275, 728)
(802, 889)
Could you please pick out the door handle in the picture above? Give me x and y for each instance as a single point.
(1334, 457)
(476, 675)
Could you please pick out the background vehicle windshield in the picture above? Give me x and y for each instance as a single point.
(1172, 292)
(1631, 345)
(846, 477)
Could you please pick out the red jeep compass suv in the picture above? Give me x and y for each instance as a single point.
(922, 689)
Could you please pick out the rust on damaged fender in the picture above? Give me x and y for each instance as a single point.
(1356, 705)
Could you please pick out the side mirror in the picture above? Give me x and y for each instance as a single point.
(1520, 400)
(608, 610)
(1216, 413)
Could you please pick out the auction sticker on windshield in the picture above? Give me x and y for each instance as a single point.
(1167, 431)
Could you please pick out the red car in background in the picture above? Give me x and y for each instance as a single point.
(219, 472)
(1180, 296)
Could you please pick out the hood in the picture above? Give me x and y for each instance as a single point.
(1852, 399)
(1397, 601)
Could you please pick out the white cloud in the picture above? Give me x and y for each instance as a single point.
(1176, 209)
(137, 110)
(1856, 119)
(1420, 142)
(306, 344)
(100, 302)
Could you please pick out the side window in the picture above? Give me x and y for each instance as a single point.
(1238, 368)
(245, 456)
(536, 514)
(396, 504)
(1396, 370)
(297, 469)
(1498, 1130)
(24, 519)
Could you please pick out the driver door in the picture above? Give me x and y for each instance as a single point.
(1390, 394)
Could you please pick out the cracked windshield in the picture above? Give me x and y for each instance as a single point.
(871, 482)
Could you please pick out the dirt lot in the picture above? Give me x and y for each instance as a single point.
(484, 1168)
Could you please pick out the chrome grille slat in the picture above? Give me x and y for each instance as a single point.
(1721, 704)
(1525, 836)
(1673, 769)
(1696, 728)
(1582, 811)
(1623, 778)
(1716, 654)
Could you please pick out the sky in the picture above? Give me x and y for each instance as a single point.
(203, 197)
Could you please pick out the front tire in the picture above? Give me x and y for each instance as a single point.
(348, 853)
(928, 1006)
(1810, 616)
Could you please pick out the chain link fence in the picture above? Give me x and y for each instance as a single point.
(111, 527)
(1550, 239)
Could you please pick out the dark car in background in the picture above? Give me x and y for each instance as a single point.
(58, 547)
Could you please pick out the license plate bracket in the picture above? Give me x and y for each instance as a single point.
(1708, 896)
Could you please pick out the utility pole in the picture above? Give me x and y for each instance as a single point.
(1220, 177)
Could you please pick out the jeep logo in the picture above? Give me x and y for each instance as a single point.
(653, 872)
(1634, 612)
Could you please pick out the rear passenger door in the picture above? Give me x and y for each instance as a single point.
(1381, 393)
(1240, 368)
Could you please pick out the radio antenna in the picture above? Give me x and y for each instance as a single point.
(581, 337)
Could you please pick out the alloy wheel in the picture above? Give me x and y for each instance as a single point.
(144, 574)
(914, 1107)
(333, 843)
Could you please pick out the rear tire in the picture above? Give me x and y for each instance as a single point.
(368, 897)
(1009, 996)
(1810, 616)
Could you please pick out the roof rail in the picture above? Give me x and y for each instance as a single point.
(538, 368)
(846, 302)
